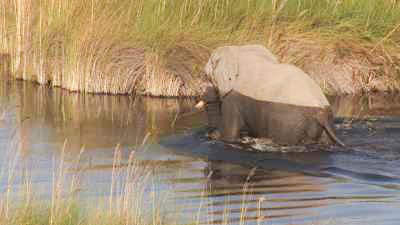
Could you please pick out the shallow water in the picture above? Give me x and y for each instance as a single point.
(201, 179)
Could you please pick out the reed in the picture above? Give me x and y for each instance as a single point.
(158, 47)
(20, 205)
(130, 183)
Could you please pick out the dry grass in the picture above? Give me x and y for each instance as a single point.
(5, 61)
(345, 67)
(158, 47)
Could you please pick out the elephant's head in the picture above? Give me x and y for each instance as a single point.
(222, 71)
(222, 68)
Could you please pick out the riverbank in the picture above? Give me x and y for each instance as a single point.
(159, 48)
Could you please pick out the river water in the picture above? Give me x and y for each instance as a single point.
(193, 178)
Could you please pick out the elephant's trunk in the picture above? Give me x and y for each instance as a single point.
(213, 114)
(325, 119)
(212, 104)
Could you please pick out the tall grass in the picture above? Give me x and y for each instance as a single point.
(23, 201)
(125, 204)
(158, 47)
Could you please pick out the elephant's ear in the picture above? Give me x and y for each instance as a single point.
(223, 68)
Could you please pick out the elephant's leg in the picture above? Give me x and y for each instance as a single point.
(231, 121)
(306, 130)
(213, 111)
(296, 128)
(213, 107)
(313, 131)
(214, 118)
(325, 139)
(291, 133)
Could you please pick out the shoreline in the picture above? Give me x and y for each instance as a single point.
(337, 75)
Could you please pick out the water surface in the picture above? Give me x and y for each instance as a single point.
(202, 179)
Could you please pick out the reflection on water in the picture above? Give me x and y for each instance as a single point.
(379, 104)
(205, 180)
(88, 120)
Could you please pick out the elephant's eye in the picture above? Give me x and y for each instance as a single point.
(215, 63)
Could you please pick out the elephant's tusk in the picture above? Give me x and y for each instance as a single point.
(200, 104)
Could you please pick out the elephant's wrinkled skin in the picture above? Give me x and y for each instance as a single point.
(255, 94)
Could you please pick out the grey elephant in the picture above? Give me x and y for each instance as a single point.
(252, 92)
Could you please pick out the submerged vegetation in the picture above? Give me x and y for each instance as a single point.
(158, 47)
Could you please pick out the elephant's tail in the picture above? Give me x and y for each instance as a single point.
(331, 134)
(323, 118)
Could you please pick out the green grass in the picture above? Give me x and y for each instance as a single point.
(21, 202)
(71, 214)
(86, 45)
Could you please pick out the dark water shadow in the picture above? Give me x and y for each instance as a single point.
(315, 162)
(370, 127)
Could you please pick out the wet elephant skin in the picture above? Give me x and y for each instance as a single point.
(283, 123)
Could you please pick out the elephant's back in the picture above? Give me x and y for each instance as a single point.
(279, 83)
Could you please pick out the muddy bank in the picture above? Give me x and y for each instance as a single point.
(338, 67)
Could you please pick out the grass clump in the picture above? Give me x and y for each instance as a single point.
(22, 202)
(158, 47)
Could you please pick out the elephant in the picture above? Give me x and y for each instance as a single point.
(253, 93)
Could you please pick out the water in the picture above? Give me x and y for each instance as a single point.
(197, 178)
